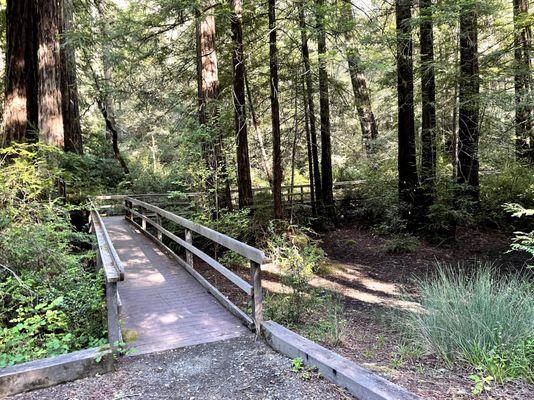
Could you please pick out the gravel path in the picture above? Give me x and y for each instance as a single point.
(240, 368)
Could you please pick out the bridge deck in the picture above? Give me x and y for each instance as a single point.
(163, 306)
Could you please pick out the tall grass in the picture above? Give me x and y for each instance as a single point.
(480, 319)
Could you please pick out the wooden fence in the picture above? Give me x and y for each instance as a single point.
(108, 259)
(142, 215)
(187, 203)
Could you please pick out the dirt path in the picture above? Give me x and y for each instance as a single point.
(240, 368)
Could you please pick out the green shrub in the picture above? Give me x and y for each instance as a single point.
(402, 243)
(522, 241)
(51, 300)
(299, 257)
(480, 319)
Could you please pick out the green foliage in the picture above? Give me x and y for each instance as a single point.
(401, 243)
(50, 299)
(512, 183)
(522, 241)
(480, 319)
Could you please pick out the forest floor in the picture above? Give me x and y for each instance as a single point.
(241, 368)
(376, 287)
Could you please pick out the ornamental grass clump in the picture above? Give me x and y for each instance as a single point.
(480, 319)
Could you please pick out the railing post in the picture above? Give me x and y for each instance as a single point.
(257, 296)
(114, 329)
(159, 222)
(188, 254)
(143, 220)
(302, 194)
(126, 206)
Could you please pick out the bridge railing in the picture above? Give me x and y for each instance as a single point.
(143, 214)
(108, 259)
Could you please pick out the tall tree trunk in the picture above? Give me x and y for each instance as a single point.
(49, 93)
(105, 99)
(468, 134)
(309, 149)
(244, 182)
(324, 102)
(20, 105)
(275, 114)
(208, 93)
(259, 136)
(407, 163)
(523, 81)
(69, 87)
(309, 104)
(428, 111)
(360, 88)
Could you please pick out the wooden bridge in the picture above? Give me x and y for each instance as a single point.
(156, 299)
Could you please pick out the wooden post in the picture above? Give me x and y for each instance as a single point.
(143, 221)
(114, 329)
(159, 222)
(126, 206)
(257, 296)
(302, 194)
(188, 254)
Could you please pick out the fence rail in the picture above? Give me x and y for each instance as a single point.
(188, 202)
(108, 259)
(142, 214)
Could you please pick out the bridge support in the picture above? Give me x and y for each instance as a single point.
(257, 296)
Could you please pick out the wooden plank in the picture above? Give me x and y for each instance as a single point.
(231, 276)
(236, 311)
(240, 248)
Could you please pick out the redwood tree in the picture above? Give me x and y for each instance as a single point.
(275, 113)
(523, 80)
(428, 97)
(360, 88)
(407, 167)
(20, 105)
(208, 93)
(468, 134)
(69, 86)
(315, 176)
(244, 182)
(50, 120)
(324, 102)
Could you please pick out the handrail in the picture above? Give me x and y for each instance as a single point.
(109, 243)
(240, 248)
(136, 208)
(108, 259)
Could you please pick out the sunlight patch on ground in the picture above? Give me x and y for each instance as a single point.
(373, 291)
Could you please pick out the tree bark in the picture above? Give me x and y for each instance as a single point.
(324, 102)
(309, 149)
(360, 88)
(69, 87)
(208, 93)
(428, 111)
(315, 178)
(407, 167)
(49, 77)
(523, 81)
(244, 181)
(105, 100)
(275, 114)
(20, 105)
(468, 134)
